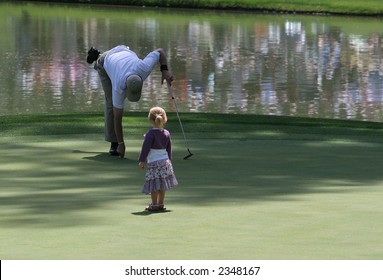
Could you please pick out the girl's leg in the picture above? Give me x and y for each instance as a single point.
(153, 206)
(160, 197)
(154, 196)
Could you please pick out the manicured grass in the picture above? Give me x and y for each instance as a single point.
(367, 7)
(257, 187)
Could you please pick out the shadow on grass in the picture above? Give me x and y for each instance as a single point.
(227, 171)
(102, 157)
(149, 213)
(47, 183)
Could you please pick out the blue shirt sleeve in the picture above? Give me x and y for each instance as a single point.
(146, 66)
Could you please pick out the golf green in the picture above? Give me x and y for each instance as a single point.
(257, 187)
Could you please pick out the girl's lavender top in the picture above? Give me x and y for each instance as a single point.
(156, 139)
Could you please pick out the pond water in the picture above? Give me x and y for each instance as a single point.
(228, 62)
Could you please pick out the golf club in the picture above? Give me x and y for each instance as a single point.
(179, 119)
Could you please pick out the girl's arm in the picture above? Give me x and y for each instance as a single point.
(146, 145)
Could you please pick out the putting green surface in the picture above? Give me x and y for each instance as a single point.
(256, 188)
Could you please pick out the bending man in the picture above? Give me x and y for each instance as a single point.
(122, 73)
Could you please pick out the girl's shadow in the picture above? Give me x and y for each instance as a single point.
(148, 213)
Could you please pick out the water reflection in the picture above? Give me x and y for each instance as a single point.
(232, 63)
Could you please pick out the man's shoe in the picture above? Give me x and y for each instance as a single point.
(113, 149)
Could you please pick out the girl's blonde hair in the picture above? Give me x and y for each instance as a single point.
(158, 116)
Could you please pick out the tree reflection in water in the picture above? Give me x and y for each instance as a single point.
(223, 62)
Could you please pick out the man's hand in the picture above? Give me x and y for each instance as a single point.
(166, 75)
(118, 113)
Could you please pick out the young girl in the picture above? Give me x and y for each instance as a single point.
(156, 151)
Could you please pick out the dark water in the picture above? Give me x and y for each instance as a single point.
(244, 63)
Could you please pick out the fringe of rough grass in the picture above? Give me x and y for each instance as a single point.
(349, 7)
(197, 125)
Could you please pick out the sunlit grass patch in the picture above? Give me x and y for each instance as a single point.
(289, 192)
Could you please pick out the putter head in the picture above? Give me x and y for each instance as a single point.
(189, 155)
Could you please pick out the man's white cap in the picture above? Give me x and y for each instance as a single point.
(134, 88)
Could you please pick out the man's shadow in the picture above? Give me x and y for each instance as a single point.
(101, 157)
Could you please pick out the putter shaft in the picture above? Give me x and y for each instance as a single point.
(179, 120)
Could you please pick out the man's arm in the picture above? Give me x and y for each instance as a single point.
(166, 74)
(118, 113)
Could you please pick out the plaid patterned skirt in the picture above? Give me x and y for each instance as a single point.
(159, 176)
